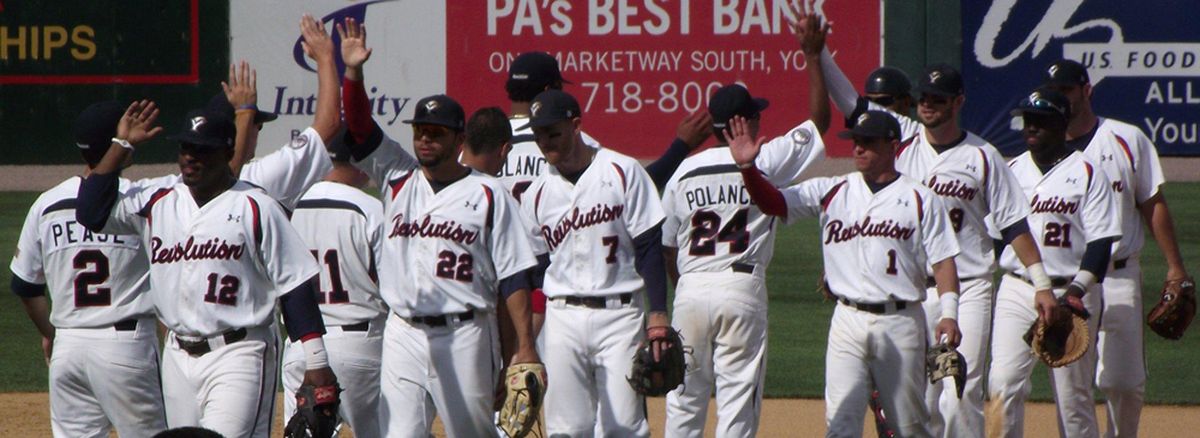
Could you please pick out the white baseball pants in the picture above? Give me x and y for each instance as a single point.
(722, 318)
(887, 349)
(451, 370)
(589, 355)
(104, 378)
(950, 417)
(355, 360)
(230, 390)
(1121, 373)
(1013, 362)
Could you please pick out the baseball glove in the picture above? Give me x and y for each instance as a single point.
(525, 385)
(944, 361)
(1174, 312)
(316, 412)
(656, 378)
(1064, 339)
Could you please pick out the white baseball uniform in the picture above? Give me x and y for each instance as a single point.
(726, 244)
(594, 311)
(974, 182)
(104, 369)
(444, 253)
(1071, 205)
(343, 228)
(216, 272)
(525, 161)
(1130, 162)
(876, 247)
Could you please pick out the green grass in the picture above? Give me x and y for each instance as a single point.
(799, 320)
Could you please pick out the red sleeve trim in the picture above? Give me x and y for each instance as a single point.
(828, 198)
(904, 145)
(491, 206)
(146, 210)
(621, 173)
(920, 206)
(257, 221)
(537, 200)
(1128, 152)
(1088, 167)
(310, 336)
(398, 183)
(769, 199)
(987, 168)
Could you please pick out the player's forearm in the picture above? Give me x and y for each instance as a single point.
(840, 89)
(670, 255)
(1158, 217)
(301, 315)
(245, 140)
(945, 273)
(328, 118)
(358, 111)
(113, 160)
(764, 194)
(1026, 249)
(1093, 267)
(520, 315)
(661, 169)
(818, 94)
(96, 198)
(507, 333)
(38, 309)
(648, 259)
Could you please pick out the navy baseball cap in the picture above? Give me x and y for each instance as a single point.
(1044, 101)
(873, 124)
(337, 147)
(441, 110)
(206, 127)
(538, 69)
(221, 104)
(96, 125)
(941, 80)
(887, 80)
(1066, 72)
(550, 107)
(734, 100)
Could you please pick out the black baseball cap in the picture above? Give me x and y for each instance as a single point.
(941, 80)
(873, 124)
(206, 127)
(1044, 100)
(538, 69)
(888, 80)
(734, 100)
(96, 125)
(439, 109)
(550, 107)
(337, 147)
(1066, 72)
(221, 104)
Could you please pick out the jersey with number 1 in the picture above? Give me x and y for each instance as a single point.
(1070, 205)
(444, 251)
(588, 226)
(876, 245)
(343, 228)
(219, 266)
(974, 182)
(709, 213)
(525, 161)
(1130, 162)
(93, 279)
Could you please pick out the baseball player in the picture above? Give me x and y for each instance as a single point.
(453, 247)
(599, 216)
(728, 244)
(975, 184)
(1075, 215)
(1130, 161)
(343, 228)
(880, 230)
(104, 367)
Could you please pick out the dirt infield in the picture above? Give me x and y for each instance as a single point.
(29, 415)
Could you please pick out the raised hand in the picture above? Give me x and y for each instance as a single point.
(317, 44)
(242, 88)
(808, 27)
(137, 124)
(743, 147)
(695, 128)
(354, 43)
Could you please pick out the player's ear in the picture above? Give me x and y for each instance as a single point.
(1087, 91)
(577, 124)
(959, 101)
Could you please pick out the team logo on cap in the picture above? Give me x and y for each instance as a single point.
(1053, 70)
(431, 105)
(533, 109)
(520, 76)
(934, 76)
(197, 122)
(863, 118)
(1035, 97)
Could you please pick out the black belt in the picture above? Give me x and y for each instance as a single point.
(878, 309)
(127, 325)
(744, 268)
(440, 320)
(1055, 282)
(360, 327)
(932, 282)
(600, 302)
(201, 347)
(1120, 264)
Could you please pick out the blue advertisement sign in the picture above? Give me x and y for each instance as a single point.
(1143, 58)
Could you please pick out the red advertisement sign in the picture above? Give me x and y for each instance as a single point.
(637, 67)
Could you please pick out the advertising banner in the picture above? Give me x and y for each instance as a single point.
(1143, 60)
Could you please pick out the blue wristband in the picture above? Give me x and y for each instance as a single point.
(248, 107)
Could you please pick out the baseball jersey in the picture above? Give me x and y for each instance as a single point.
(444, 251)
(974, 181)
(1130, 162)
(910, 128)
(710, 214)
(588, 227)
(525, 161)
(876, 245)
(343, 228)
(1071, 205)
(94, 279)
(215, 267)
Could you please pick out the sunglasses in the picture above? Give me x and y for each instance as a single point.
(934, 100)
(430, 131)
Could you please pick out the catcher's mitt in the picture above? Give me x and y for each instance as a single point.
(316, 412)
(524, 385)
(1174, 312)
(1064, 339)
(656, 378)
(944, 361)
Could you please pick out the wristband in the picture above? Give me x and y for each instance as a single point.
(1084, 280)
(1037, 275)
(949, 303)
(746, 166)
(123, 143)
(315, 356)
(248, 106)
